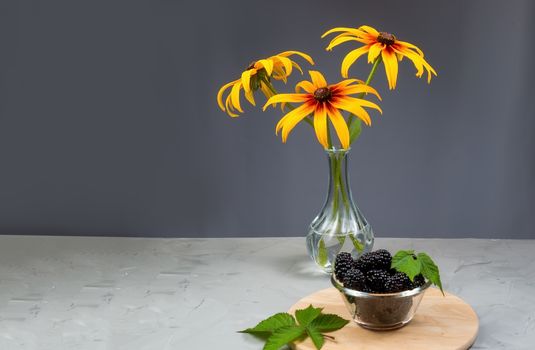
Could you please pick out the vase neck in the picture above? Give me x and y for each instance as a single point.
(339, 195)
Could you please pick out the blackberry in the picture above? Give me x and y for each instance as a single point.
(364, 262)
(398, 282)
(342, 264)
(383, 259)
(376, 280)
(354, 279)
(418, 281)
(377, 260)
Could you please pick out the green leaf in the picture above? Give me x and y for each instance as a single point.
(355, 128)
(282, 329)
(328, 323)
(317, 337)
(305, 316)
(430, 270)
(356, 243)
(322, 253)
(283, 336)
(405, 261)
(272, 323)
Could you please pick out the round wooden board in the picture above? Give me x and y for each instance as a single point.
(440, 323)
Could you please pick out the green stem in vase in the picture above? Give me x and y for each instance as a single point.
(345, 199)
(323, 256)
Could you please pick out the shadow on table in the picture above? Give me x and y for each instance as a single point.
(298, 266)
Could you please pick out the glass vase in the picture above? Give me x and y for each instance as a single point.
(340, 225)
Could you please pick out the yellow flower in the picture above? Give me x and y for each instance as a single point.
(325, 101)
(375, 43)
(257, 76)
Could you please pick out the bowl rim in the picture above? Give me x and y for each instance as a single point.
(359, 294)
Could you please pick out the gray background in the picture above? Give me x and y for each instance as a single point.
(109, 125)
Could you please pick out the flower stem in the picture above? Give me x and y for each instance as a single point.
(352, 118)
(338, 188)
(378, 60)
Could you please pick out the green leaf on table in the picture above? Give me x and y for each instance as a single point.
(405, 261)
(281, 329)
(328, 323)
(355, 128)
(305, 316)
(283, 336)
(356, 243)
(322, 253)
(317, 337)
(430, 270)
(272, 323)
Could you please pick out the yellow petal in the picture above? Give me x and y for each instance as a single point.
(369, 30)
(355, 109)
(286, 98)
(221, 92)
(351, 57)
(297, 66)
(360, 37)
(317, 79)
(341, 40)
(353, 31)
(230, 109)
(347, 101)
(246, 79)
(415, 59)
(235, 96)
(267, 64)
(429, 71)
(305, 85)
(279, 73)
(320, 126)
(375, 50)
(290, 114)
(250, 97)
(287, 64)
(345, 83)
(291, 121)
(391, 67)
(340, 126)
(409, 45)
(419, 63)
(298, 53)
(360, 88)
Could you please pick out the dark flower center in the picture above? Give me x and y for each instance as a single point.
(386, 38)
(322, 94)
(251, 66)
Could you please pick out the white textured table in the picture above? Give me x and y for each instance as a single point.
(61, 293)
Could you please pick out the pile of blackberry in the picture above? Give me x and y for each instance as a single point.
(371, 273)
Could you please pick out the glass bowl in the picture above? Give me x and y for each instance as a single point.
(381, 311)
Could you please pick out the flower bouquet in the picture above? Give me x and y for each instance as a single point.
(337, 109)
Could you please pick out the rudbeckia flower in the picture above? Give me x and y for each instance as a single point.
(257, 76)
(377, 43)
(324, 102)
